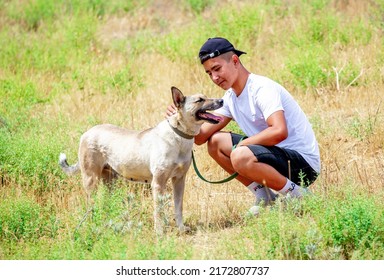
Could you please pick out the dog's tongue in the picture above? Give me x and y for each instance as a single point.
(211, 116)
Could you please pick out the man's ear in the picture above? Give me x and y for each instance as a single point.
(177, 96)
(235, 59)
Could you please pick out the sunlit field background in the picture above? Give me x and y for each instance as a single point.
(68, 65)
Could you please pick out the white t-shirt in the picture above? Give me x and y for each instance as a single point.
(262, 97)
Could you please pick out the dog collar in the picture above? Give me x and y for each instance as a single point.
(180, 133)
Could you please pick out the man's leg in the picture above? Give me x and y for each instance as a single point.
(247, 165)
(220, 149)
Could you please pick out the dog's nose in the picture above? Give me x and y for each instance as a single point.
(221, 102)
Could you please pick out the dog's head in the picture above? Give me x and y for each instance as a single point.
(197, 106)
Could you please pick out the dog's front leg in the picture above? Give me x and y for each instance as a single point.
(159, 202)
(178, 194)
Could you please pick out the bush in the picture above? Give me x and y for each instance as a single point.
(23, 219)
(353, 224)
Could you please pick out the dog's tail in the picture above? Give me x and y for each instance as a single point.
(68, 169)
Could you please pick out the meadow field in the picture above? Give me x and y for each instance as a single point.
(68, 65)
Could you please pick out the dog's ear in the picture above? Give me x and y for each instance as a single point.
(178, 97)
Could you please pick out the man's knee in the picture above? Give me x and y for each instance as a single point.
(218, 143)
(213, 144)
(241, 157)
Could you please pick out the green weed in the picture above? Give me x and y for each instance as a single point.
(198, 6)
(23, 219)
(353, 224)
(361, 128)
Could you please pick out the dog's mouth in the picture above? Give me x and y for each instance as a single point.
(209, 117)
(203, 113)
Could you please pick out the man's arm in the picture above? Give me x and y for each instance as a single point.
(208, 129)
(275, 133)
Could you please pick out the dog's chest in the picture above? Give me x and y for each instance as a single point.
(180, 153)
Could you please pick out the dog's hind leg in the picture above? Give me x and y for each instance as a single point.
(91, 164)
(90, 182)
(108, 174)
(178, 194)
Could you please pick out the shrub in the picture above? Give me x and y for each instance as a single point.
(353, 224)
(23, 219)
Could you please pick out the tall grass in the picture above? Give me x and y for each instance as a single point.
(68, 65)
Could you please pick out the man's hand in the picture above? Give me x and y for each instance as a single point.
(171, 110)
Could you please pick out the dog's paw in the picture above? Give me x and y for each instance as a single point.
(185, 229)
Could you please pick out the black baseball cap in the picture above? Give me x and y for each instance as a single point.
(216, 46)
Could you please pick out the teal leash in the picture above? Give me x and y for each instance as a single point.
(212, 182)
(231, 177)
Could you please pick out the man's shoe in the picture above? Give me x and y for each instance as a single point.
(254, 210)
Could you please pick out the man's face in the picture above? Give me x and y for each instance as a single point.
(222, 72)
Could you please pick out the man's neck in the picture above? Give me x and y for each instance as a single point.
(239, 85)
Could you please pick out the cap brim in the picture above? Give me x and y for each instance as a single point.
(238, 53)
(204, 57)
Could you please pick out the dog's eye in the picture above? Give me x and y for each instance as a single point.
(200, 100)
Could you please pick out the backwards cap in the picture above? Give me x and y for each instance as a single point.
(216, 46)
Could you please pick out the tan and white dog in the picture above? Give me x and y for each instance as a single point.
(151, 156)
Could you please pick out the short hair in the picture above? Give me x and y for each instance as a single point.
(228, 55)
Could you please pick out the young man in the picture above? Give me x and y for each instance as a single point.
(280, 151)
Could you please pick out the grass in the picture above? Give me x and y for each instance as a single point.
(65, 66)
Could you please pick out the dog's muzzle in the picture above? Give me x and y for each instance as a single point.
(202, 114)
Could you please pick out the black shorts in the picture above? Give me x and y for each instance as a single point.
(287, 162)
